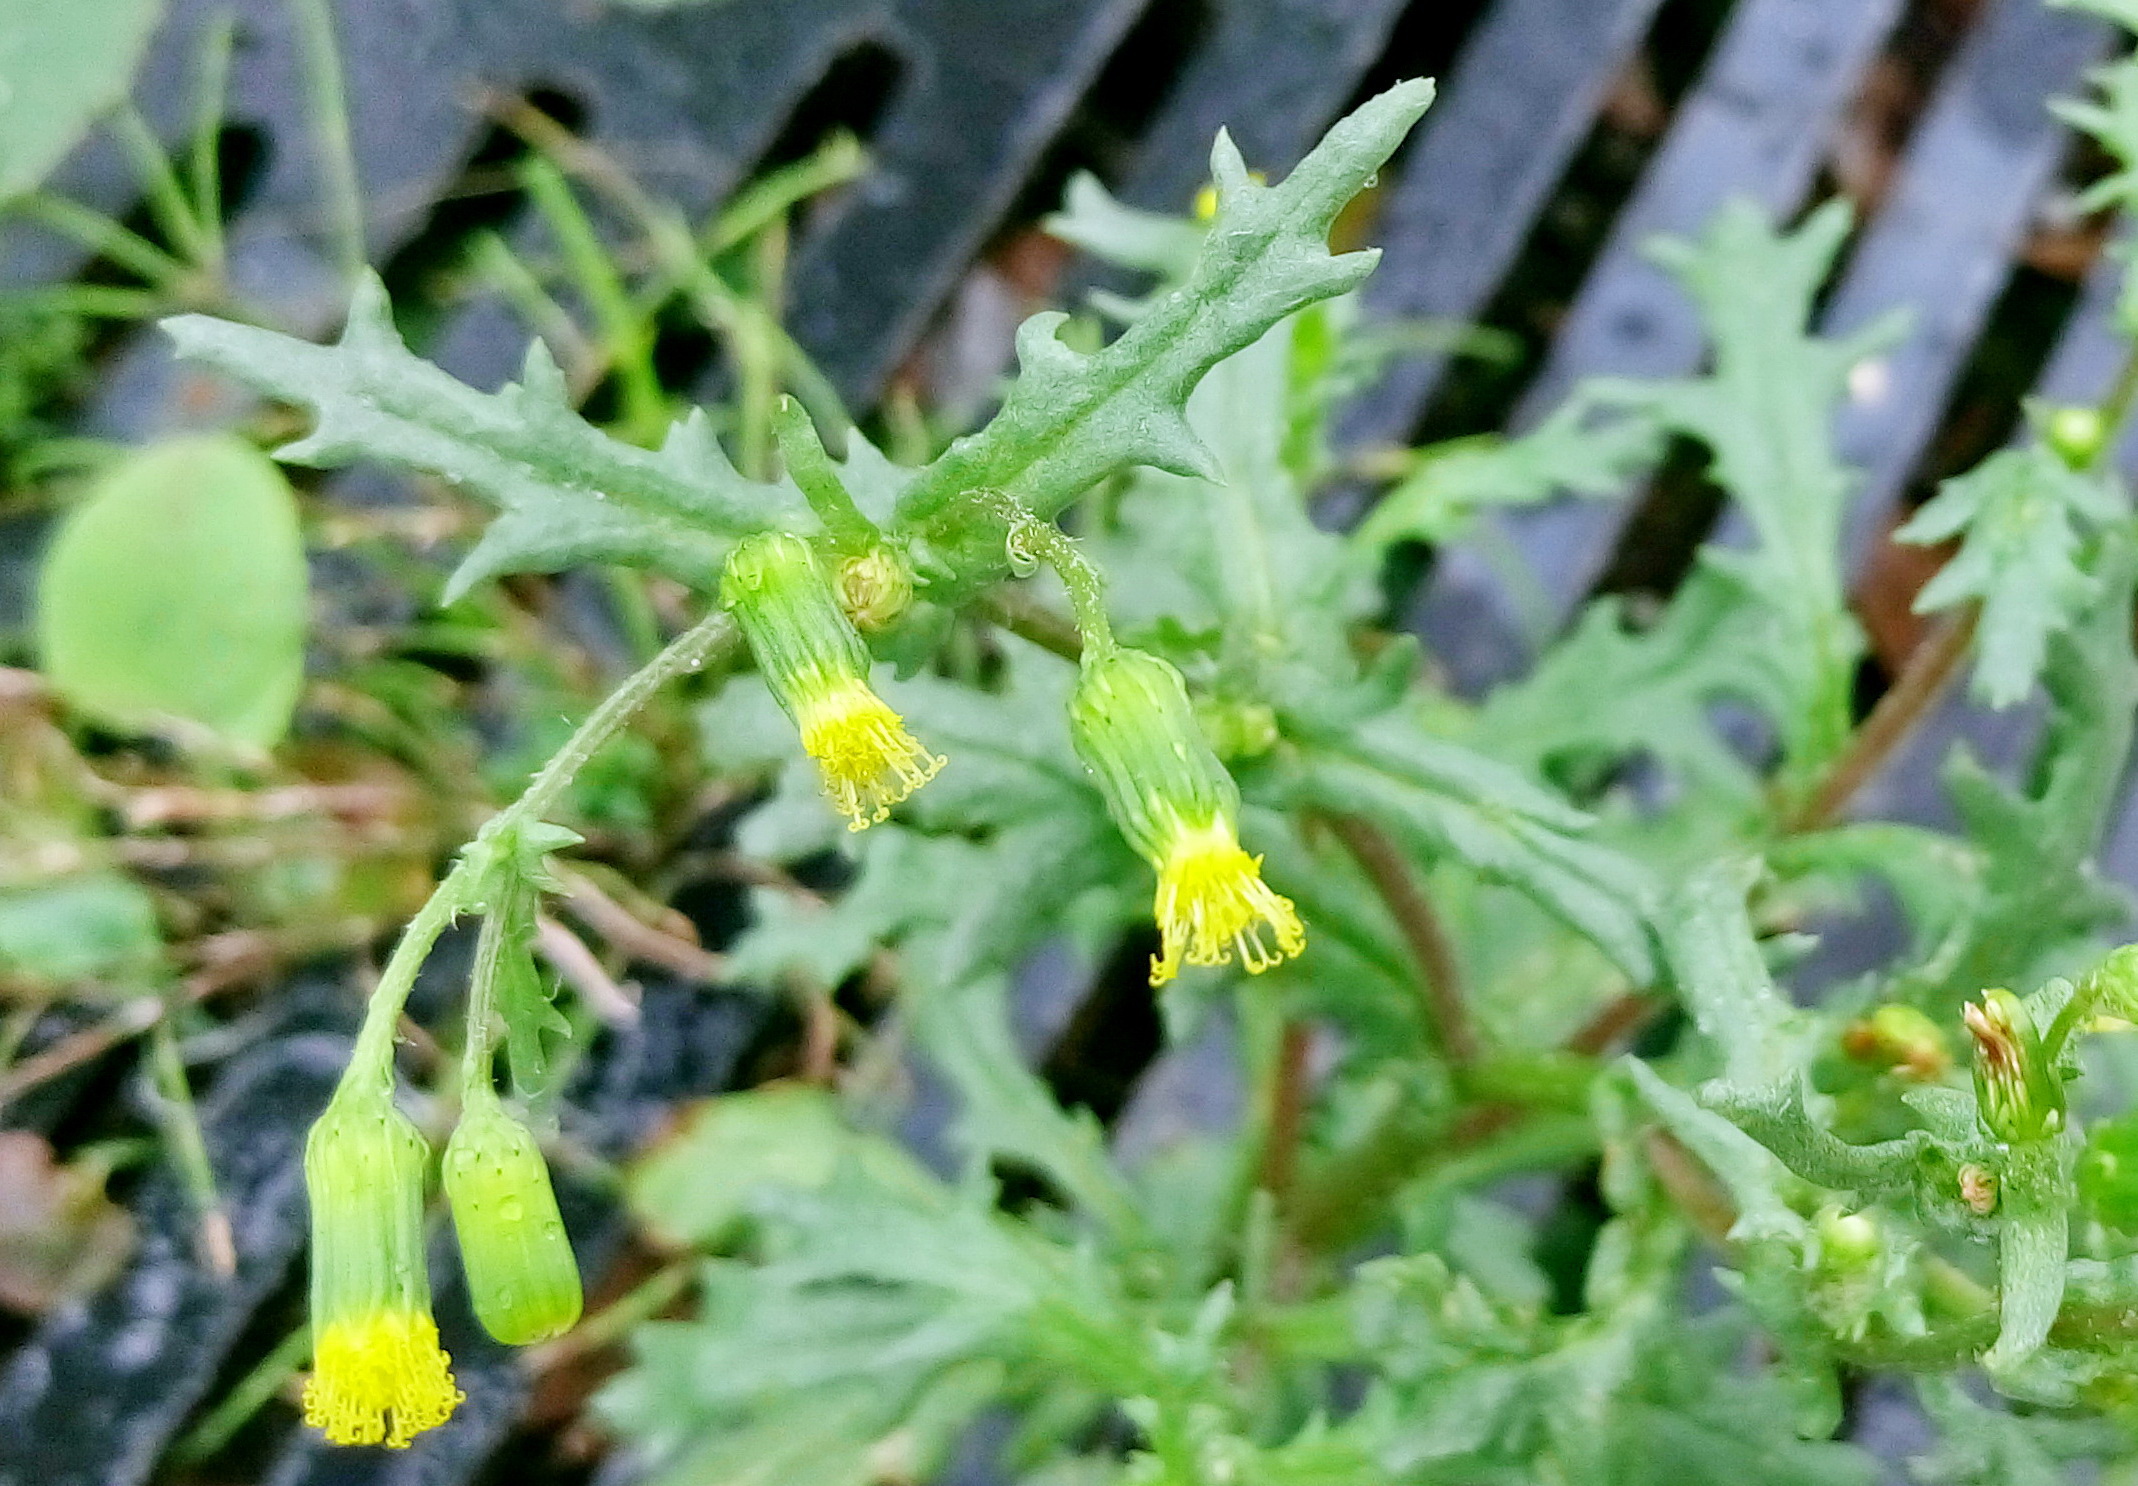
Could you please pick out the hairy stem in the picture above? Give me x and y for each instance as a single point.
(689, 651)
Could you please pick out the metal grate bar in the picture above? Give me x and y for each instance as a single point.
(1522, 95)
(1942, 248)
(95, 1396)
(1273, 73)
(959, 143)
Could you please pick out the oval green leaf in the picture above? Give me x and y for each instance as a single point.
(61, 66)
(176, 593)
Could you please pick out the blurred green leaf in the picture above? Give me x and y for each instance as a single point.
(1609, 691)
(1446, 803)
(1578, 450)
(1766, 411)
(61, 67)
(783, 1135)
(100, 927)
(2019, 516)
(177, 590)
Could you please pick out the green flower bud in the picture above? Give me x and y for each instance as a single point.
(875, 588)
(1902, 1040)
(378, 1375)
(1136, 732)
(521, 1275)
(813, 659)
(2075, 435)
(1849, 1243)
(1175, 804)
(1237, 730)
(2017, 1095)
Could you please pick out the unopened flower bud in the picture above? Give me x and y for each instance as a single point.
(2017, 1095)
(521, 1275)
(378, 1374)
(1238, 730)
(1848, 1242)
(1176, 805)
(815, 663)
(2075, 435)
(1978, 1188)
(1901, 1040)
(875, 588)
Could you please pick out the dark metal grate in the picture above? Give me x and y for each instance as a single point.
(963, 103)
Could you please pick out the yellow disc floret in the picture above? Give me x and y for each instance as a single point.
(379, 1379)
(1212, 904)
(868, 759)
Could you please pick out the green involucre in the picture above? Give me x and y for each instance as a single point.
(364, 1169)
(1135, 730)
(522, 1278)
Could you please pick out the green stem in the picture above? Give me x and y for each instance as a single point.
(462, 887)
(812, 469)
(478, 1046)
(160, 186)
(682, 261)
(1033, 539)
(330, 116)
(106, 238)
(2115, 408)
(758, 205)
(757, 352)
(188, 1147)
(627, 332)
(218, 41)
(246, 1398)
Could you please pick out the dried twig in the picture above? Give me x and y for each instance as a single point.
(638, 939)
(582, 970)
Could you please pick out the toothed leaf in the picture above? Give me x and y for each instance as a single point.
(2020, 515)
(566, 492)
(1070, 420)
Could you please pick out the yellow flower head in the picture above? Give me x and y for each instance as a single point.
(816, 664)
(868, 759)
(378, 1375)
(380, 1379)
(1212, 903)
(1177, 806)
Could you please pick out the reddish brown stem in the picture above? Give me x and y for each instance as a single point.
(1446, 1014)
(1930, 667)
(1287, 1110)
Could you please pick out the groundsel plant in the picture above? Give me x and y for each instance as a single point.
(794, 565)
(1093, 678)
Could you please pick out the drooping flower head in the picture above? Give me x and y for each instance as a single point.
(521, 1274)
(2017, 1094)
(378, 1374)
(1178, 807)
(814, 661)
